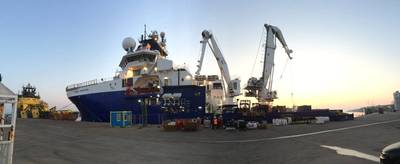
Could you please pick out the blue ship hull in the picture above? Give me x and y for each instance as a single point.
(145, 108)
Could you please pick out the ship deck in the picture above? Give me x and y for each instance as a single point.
(64, 142)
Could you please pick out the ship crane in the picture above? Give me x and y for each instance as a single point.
(233, 86)
(262, 88)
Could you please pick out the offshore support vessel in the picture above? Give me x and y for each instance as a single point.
(30, 105)
(148, 84)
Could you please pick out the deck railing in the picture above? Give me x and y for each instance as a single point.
(83, 84)
(88, 83)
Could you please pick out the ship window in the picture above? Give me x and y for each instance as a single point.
(152, 101)
(217, 86)
(141, 58)
(165, 82)
(132, 73)
(136, 72)
(127, 82)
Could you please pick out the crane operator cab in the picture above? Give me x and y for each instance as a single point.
(234, 87)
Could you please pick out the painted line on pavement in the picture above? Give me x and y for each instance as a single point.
(304, 134)
(353, 153)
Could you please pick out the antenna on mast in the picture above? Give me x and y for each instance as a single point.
(145, 33)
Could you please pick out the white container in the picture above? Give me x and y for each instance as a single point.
(289, 120)
(172, 123)
(280, 121)
(321, 120)
(251, 125)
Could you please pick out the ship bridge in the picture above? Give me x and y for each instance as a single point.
(139, 57)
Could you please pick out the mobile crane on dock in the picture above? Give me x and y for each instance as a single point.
(262, 88)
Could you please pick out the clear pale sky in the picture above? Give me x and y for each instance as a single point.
(346, 52)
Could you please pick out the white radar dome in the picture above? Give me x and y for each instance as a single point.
(128, 44)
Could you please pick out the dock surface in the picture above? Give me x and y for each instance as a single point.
(65, 142)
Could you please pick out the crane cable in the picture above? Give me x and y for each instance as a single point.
(284, 68)
(291, 80)
(283, 71)
(258, 50)
(65, 106)
(292, 86)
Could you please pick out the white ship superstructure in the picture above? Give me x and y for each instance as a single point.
(146, 74)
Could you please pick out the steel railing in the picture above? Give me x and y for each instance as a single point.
(88, 83)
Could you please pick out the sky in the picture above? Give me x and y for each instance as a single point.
(345, 51)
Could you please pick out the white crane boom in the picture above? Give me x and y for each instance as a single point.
(233, 86)
(203, 51)
(262, 88)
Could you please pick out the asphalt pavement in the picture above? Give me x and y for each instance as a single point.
(66, 142)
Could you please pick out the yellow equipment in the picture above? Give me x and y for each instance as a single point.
(64, 115)
(25, 102)
(23, 114)
(35, 113)
(29, 103)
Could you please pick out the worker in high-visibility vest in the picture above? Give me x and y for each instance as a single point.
(214, 122)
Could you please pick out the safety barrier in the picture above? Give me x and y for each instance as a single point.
(5, 147)
(6, 141)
